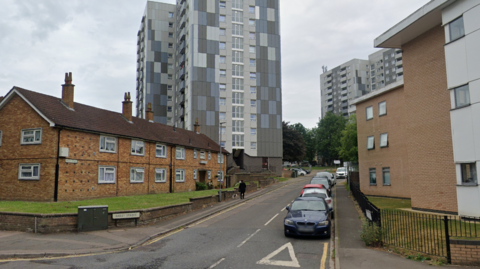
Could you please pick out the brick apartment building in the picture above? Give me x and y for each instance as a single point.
(54, 149)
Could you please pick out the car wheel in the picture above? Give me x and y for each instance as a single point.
(286, 234)
(329, 234)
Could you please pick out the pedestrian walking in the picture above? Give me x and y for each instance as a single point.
(242, 187)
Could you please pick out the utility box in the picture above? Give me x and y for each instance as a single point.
(92, 218)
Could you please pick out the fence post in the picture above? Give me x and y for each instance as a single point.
(447, 239)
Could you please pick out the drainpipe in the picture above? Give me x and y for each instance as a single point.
(171, 169)
(55, 191)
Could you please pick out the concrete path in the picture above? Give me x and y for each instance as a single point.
(352, 253)
(29, 245)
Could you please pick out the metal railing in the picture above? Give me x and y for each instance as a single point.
(371, 212)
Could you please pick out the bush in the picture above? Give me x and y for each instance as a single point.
(200, 186)
(371, 234)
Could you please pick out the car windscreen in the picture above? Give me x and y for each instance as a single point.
(340, 169)
(315, 194)
(322, 181)
(314, 205)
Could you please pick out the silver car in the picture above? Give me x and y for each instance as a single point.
(341, 172)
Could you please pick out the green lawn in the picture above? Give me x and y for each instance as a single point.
(114, 203)
(390, 203)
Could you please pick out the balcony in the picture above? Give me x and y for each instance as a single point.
(181, 86)
(345, 97)
(343, 78)
(330, 109)
(344, 92)
(329, 78)
(329, 91)
(181, 73)
(181, 59)
(181, 99)
(399, 62)
(398, 54)
(329, 103)
(181, 48)
(400, 70)
(344, 72)
(343, 85)
(329, 85)
(344, 105)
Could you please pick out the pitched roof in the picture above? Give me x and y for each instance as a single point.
(92, 119)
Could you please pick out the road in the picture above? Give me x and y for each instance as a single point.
(249, 235)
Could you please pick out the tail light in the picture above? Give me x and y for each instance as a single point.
(329, 200)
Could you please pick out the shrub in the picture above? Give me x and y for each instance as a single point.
(371, 234)
(200, 186)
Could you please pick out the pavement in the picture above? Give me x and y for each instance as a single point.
(18, 245)
(350, 249)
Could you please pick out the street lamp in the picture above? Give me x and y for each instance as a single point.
(218, 157)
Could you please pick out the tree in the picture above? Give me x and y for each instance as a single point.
(348, 143)
(329, 133)
(309, 139)
(293, 144)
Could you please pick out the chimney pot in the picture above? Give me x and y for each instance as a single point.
(196, 126)
(68, 91)
(149, 113)
(127, 107)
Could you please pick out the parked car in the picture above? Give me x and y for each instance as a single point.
(341, 172)
(323, 181)
(320, 193)
(306, 171)
(312, 186)
(300, 172)
(308, 216)
(328, 175)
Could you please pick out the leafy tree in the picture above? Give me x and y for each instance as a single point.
(348, 143)
(293, 144)
(309, 139)
(329, 133)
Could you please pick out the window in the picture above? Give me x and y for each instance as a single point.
(169, 98)
(202, 154)
(160, 175)
(170, 45)
(106, 174)
(237, 98)
(169, 109)
(223, 59)
(31, 136)
(222, 31)
(223, 73)
(219, 158)
(253, 90)
(170, 56)
(138, 148)
(253, 76)
(237, 111)
(222, 45)
(370, 142)
(462, 96)
(382, 108)
(209, 175)
(223, 4)
(29, 171)
(223, 101)
(237, 29)
(209, 155)
(179, 153)
(237, 16)
(251, 36)
(194, 153)
(223, 130)
(384, 140)
(170, 35)
(221, 115)
(170, 76)
(108, 144)
(195, 174)
(251, 22)
(237, 4)
(170, 14)
(222, 144)
(237, 126)
(237, 70)
(456, 29)
(179, 175)
(237, 140)
(137, 175)
(252, 62)
(222, 18)
(373, 176)
(237, 56)
(223, 87)
(386, 176)
(251, 9)
(253, 117)
(237, 43)
(237, 84)
(170, 25)
(161, 151)
(220, 176)
(469, 173)
(251, 49)
(369, 111)
(253, 131)
(253, 145)
(253, 103)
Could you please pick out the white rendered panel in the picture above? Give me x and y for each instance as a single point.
(456, 63)
(468, 199)
(476, 129)
(474, 89)
(213, 33)
(263, 39)
(473, 55)
(257, 12)
(462, 134)
(270, 14)
(211, 6)
(271, 54)
(471, 20)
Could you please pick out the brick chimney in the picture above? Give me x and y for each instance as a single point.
(196, 126)
(68, 90)
(127, 107)
(149, 113)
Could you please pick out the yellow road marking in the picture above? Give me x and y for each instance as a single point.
(324, 256)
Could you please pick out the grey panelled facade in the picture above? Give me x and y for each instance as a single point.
(226, 68)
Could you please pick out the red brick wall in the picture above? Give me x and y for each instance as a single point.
(394, 156)
(427, 106)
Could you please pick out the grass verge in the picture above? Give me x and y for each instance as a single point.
(390, 203)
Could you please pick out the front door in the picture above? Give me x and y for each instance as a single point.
(202, 176)
(265, 162)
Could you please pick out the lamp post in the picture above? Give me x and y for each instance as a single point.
(218, 158)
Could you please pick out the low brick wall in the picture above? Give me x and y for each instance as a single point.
(267, 182)
(287, 173)
(465, 252)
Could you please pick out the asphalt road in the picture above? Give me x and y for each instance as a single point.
(249, 235)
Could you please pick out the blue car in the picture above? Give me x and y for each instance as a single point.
(308, 216)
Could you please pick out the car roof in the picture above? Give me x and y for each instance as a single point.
(342, 168)
(309, 199)
(318, 186)
(311, 190)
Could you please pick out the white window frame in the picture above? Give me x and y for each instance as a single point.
(102, 171)
(462, 33)
(209, 155)
(220, 158)
(161, 171)
(195, 174)
(222, 18)
(180, 153)
(384, 140)
(35, 130)
(220, 176)
(253, 131)
(384, 103)
(473, 173)
(194, 153)
(163, 148)
(105, 142)
(253, 145)
(134, 145)
(134, 171)
(32, 165)
(369, 111)
(465, 100)
(209, 174)
(179, 175)
(202, 154)
(371, 142)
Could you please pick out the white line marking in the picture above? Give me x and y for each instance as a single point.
(292, 263)
(271, 220)
(284, 208)
(248, 238)
(217, 263)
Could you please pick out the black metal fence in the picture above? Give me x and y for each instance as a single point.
(371, 212)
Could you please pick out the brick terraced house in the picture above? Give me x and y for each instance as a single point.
(54, 149)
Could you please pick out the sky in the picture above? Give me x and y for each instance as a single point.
(41, 40)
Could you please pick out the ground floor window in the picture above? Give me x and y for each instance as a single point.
(219, 175)
(160, 175)
(373, 176)
(137, 175)
(386, 176)
(106, 174)
(30, 171)
(469, 173)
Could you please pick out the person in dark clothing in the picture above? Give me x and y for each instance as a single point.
(241, 189)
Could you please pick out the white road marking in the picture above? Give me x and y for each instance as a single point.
(293, 263)
(271, 220)
(248, 238)
(324, 256)
(284, 208)
(217, 263)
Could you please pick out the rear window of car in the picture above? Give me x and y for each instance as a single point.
(315, 194)
(308, 205)
(320, 181)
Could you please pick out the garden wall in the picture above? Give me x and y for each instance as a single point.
(465, 252)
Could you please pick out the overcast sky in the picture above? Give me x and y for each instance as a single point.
(40, 40)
